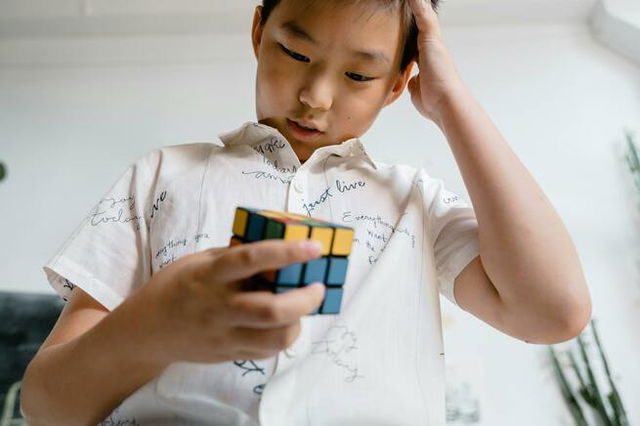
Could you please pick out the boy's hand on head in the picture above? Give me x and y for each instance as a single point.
(437, 77)
(200, 311)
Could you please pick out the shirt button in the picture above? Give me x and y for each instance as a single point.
(290, 352)
(297, 186)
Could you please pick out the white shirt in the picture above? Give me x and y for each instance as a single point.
(379, 361)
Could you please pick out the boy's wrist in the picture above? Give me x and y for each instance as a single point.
(450, 104)
(141, 316)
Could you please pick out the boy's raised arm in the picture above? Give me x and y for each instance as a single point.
(525, 248)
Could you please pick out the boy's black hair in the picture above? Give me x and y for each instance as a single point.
(410, 29)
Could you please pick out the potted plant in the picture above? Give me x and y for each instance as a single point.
(604, 403)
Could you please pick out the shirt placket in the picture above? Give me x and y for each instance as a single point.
(290, 355)
(271, 405)
(297, 192)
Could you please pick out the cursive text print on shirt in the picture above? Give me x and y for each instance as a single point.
(250, 366)
(115, 210)
(339, 346)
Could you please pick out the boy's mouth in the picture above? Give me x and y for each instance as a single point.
(303, 130)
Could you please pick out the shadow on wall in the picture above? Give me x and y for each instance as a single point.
(25, 322)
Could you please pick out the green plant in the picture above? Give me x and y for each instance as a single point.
(633, 160)
(11, 402)
(607, 410)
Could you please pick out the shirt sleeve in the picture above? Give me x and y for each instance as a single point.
(107, 255)
(453, 230)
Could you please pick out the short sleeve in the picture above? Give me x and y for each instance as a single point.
(107, 255)
(453, 229)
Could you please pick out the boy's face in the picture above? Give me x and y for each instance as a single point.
(329, 67)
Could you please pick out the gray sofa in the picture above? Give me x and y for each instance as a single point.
(25, 321)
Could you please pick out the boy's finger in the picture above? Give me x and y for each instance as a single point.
(264, 309)
(244, 260)
(425, 16)
(256, 340)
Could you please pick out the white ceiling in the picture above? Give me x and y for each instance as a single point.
(514, 12)
(35, 18)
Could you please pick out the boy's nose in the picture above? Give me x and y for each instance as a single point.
(317, 94)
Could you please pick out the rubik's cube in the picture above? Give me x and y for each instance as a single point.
(251, 224)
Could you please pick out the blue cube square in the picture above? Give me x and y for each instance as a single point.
(315, 271)
(289, 275)
(332, 300)
(337, 271)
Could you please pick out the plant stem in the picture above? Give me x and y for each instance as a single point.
(593, 386)
(570, 399)
(614, 396)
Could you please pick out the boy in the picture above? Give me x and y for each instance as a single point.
(163, 331)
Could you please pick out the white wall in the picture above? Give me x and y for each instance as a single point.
(75, 112)
(562, 102)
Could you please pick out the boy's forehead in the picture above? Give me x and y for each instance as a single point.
(356, 10)
(365, 23)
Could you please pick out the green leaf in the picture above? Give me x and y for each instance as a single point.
(632, 155)
(614, 397)
(576, 369)
(587, 395)
(570, 399)
(593, 385)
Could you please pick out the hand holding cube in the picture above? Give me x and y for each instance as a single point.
(250, 225)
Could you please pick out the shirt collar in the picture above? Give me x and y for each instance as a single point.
(252, 133)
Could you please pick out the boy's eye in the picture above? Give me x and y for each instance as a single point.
(294, 55)
(302, 58)
(358, 77)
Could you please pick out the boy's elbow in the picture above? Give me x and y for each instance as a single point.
(27, 398)
(578, 322)
(33, 399)
(572, 326)
(574, 319)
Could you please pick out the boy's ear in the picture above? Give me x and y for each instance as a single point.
(400, 84)
(256, 30)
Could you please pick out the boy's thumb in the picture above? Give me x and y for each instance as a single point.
(319, 288)
(318, 285)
